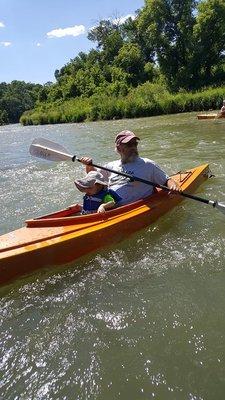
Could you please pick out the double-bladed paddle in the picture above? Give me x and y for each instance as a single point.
(52, 151)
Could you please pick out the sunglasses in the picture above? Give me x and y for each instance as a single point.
(131, 143)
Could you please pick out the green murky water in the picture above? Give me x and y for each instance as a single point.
(144, 319)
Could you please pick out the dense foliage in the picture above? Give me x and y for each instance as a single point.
(145, 100)
(169, 58)
(15, 98)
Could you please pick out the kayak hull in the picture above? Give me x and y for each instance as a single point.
(62, 237)
(210, 116)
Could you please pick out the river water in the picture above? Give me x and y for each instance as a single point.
(144, 319)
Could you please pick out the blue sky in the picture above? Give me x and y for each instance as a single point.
(39, 36)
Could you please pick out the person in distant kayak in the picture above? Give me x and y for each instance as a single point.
(130, 162)
(98, 198)
(222, 111)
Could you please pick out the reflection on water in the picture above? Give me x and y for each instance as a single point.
(142, 319)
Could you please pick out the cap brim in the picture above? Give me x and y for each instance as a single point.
(101, 182)
(129, 138)
(81, 187)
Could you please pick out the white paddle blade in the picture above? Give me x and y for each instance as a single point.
(48, 150)
(220, 207)
(51, 145)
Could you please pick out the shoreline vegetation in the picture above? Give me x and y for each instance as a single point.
(142, 102)
(167, 58)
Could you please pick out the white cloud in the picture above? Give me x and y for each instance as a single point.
(92, 27)
(2, 25)
(75, 30)
(121, 20)
(6, 44)
(117, 21)
(38, 44)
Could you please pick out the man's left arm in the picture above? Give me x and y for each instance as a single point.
(172, 185)
(160, 177)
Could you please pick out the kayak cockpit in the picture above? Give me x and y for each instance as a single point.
(72, 216)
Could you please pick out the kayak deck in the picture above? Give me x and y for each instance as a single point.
(61, 237)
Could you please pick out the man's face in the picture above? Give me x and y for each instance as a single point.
(128, 151)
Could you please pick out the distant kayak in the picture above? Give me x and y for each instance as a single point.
(210, 116)
(62, 237)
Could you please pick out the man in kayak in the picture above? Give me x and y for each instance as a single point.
(98, 198)
(130, 162)
(222, 111)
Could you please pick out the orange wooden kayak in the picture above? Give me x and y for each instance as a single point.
(64, 236)
(210, 116)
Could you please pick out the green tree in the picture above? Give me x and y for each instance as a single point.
(133, 34)
(69, 88)
(167, 27)
(101, 32)
(71, 68)
(4, 119)
(15, 98)
(13, 108)
(3, 88)
(43, 94)
(108, 36)
(87, 80)
(130, 60)
(55, 93)
(112, 46)
(209, 41)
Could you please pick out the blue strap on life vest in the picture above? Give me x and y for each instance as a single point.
(91, 203)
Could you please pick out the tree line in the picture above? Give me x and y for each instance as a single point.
(170, 47)
(15, 98)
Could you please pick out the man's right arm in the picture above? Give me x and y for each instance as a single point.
(89, 167)
(88, 162)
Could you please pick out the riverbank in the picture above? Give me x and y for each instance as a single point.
(145, 101)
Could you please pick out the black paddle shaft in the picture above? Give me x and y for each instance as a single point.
(147, 182)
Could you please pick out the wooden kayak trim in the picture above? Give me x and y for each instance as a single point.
(62, 237)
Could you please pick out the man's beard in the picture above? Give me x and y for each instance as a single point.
(130, 158)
